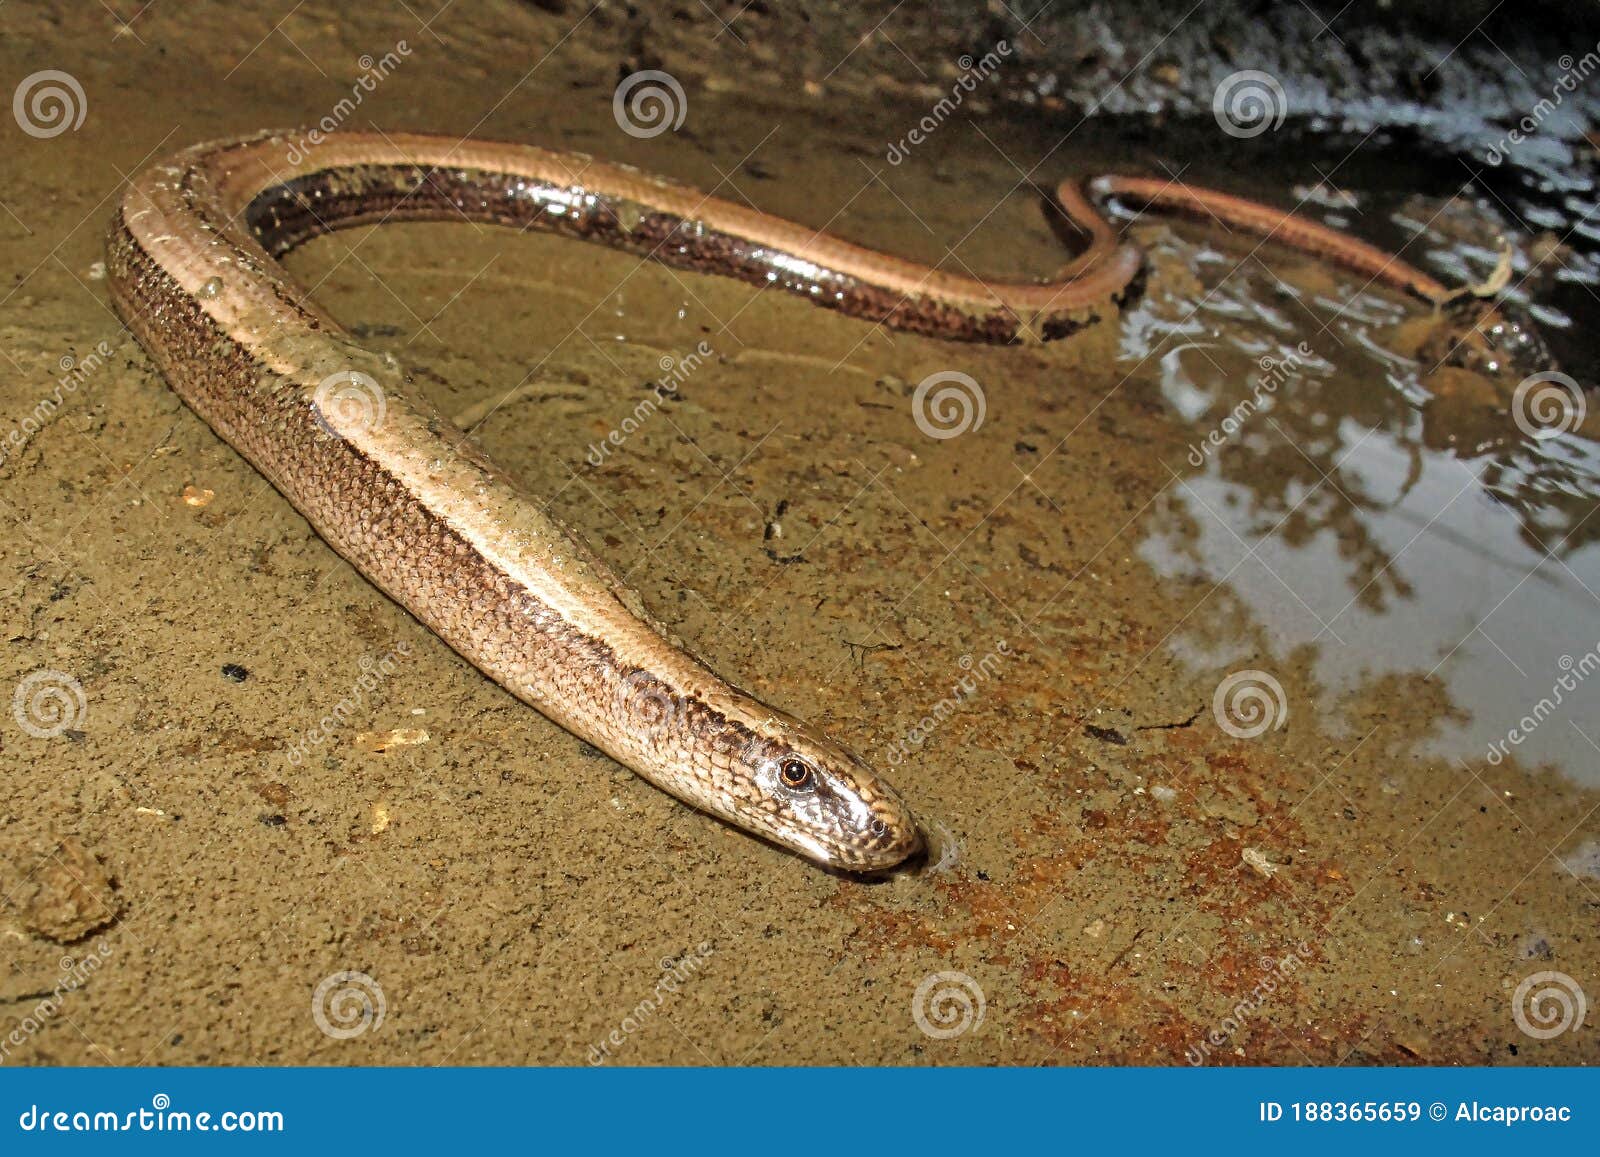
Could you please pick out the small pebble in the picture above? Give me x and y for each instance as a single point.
(234, 672)
(381, 741)
(1256, 860)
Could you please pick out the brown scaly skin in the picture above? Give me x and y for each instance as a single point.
(396, 489)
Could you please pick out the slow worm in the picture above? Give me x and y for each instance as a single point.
(400, 492)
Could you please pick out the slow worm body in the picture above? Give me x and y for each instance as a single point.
(400, 492)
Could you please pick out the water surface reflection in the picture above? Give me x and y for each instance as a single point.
(1351, 507)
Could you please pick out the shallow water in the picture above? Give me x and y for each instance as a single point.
(1357, 516)
(1026, 625)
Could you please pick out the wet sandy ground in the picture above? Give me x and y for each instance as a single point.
(1116, 878)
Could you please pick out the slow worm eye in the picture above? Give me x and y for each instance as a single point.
(794, 774)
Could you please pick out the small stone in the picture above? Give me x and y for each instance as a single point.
(234, 673)
(381, 741)
(68, 895)
(1535, 947)
(1413, 1046)
(1256, 860)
